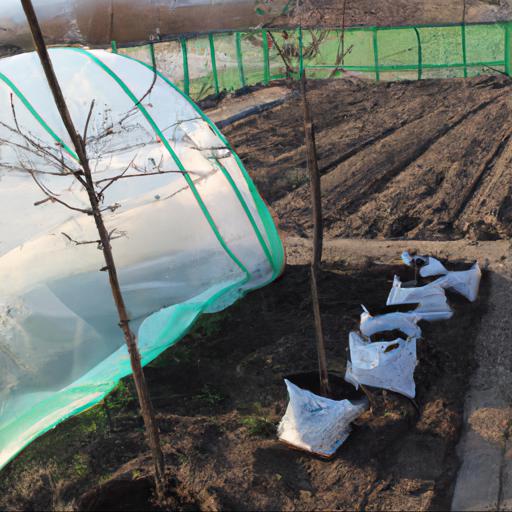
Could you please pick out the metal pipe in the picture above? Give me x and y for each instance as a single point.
(98, 22)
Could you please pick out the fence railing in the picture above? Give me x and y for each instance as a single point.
(227, 61)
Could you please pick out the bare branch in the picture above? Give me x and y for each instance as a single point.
(53, 198)
(87, 122)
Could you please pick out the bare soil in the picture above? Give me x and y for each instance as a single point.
(427, 159)
(219, 395)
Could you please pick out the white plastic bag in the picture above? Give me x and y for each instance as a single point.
(466, 282)
(431, 298)
(429, 266)
(317, 424)
(384, 364)
(405, 322)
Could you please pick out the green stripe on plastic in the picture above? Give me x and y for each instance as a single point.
(186, 74)
(36, 115)
(239, 58)
(247, 213)
(214, 64)
(277, 261)
(164, 140)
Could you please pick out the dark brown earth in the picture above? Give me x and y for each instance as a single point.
(426, 159)
(219, 395)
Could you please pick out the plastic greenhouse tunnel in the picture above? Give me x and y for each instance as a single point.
(190, 232)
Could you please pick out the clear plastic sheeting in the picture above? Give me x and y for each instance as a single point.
(384, 364)
(465, 282)
(190, 234)
(431, 299)
(405, 322)
(317, 424)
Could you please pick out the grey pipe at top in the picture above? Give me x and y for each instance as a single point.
(98, 22)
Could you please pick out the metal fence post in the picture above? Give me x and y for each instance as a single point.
(376, 53)
(420, 53)
(508, 34)
(214, 64)
(266, 57)
(152, 54)
(186, 75)
(301, 53)
(239, 58)
(464, 49)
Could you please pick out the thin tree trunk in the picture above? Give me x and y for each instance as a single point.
(88, 183)
(316, 207)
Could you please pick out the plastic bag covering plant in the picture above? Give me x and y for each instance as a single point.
(404, 322)
(465, 282)
(190, 233)
(384, 364)
(433, 304)
(317, 424)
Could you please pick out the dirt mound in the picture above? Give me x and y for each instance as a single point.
(426, 160)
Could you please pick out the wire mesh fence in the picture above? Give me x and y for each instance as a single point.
(209, 64)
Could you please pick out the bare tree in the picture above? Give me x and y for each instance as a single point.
(95, 193)
(316, 260)
(297, 9)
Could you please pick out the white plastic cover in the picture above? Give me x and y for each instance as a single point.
(430, 266)
(405, 322)
(431, 298)
(317, 424)
(190, 232)
(384, 364)
(466, 282)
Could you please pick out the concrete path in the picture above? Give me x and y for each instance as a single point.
(485, 477)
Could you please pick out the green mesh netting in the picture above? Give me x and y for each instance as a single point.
(210, 64)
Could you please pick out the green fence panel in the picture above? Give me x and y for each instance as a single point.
(322, 53)
(359, 52)
(508, 50)
(399, 54)
(169, 61)
(141, 53)
(283, 54)
(201, 78)
(239, 59)
(213, 58)
(485, 48)
(208, 64)
(228, 70)
(252, 51)
(442, 52)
